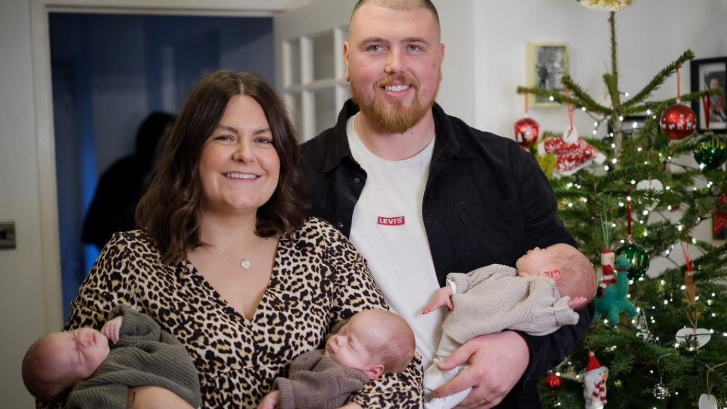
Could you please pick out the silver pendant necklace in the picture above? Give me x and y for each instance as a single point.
(244, 261)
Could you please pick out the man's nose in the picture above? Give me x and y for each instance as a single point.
(394, 62)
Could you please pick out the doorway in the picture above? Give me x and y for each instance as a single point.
(109, 71)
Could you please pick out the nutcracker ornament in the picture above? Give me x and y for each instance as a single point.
(594, 387)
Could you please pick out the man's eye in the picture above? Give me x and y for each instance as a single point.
(375, 47)
(414, 48)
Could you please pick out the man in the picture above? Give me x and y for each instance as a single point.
(421, 194)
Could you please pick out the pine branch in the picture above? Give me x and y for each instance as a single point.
(580, 94)
(659, 79)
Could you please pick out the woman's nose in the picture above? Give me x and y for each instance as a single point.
(243, 153)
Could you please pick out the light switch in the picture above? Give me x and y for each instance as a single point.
(7, 234)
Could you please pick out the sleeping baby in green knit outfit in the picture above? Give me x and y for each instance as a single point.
(537, 297)
(81, 367)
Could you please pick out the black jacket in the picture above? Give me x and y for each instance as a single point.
(486, 201)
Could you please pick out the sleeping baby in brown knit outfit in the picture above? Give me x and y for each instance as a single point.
(371, 343)
(537, 297)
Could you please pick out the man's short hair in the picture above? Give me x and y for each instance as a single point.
(401, 5)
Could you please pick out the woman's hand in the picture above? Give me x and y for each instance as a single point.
(442, 297)
(271, 400)
(111, 329)
(497, 362)
(351, 405)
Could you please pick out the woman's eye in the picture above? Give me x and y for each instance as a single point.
(223, 138)
(264, 140)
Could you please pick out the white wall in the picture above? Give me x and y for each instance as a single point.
(21, 285)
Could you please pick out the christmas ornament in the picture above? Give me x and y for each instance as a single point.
(571, 151)
(720, 218)
(661, 392)
(552, 381)
(606, 5)
(636, 255)
(678, 121)
(526, 132)
(693, 337)
(547, 164)
(607, 271)
(651, 184)
(615, 297)
(642, 326)
(711, 152)
(707, 402)
(594, 385)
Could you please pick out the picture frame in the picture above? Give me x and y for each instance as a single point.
(706, 73)
(546, 64)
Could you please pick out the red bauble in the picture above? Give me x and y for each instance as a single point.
(552, 381)
(678, 121)
(526, 132)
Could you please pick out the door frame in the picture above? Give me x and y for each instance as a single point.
(43, 105)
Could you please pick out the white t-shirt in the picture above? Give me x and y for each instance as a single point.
(388, 230)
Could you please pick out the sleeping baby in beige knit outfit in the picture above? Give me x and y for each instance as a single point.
(537, 297)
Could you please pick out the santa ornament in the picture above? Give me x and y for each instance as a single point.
(607, 271)
(595, 383)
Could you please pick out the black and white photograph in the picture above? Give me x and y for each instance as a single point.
(547, 64)
(709, 74)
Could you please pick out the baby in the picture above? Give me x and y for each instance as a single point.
(81, 364)
(537, 298)
(371, 343)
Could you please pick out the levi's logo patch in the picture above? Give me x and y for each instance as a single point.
(391, 221)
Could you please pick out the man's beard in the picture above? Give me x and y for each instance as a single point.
(393, 118)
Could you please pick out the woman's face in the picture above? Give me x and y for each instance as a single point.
(239, 166)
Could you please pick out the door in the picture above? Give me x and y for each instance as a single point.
(311, 73)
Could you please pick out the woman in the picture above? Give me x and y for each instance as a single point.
(226, 260)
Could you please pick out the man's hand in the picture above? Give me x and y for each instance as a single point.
(271, 400)
(442, 297)
(497, 362)
(111, 329)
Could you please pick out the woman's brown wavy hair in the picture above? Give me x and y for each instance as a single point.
(169, 211)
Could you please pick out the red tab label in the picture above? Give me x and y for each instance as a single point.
(391, 221)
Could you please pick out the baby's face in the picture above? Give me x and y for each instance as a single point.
(80, 351)
(538, 260)
(354, 344)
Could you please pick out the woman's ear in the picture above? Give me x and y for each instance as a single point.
(555, 274)
(374, 371)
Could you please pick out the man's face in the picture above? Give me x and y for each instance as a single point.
(394, 59)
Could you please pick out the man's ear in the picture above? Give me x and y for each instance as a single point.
(555, 274)
(345, 59)
(374, 371)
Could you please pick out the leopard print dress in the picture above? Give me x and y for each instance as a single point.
(318, 280)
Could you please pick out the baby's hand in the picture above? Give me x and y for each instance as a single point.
(442, 297)
(111, 329)
(270, 401)
(577, 303)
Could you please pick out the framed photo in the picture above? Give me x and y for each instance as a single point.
(709, 74)
(546, 65)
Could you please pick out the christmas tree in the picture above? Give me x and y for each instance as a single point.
(642, 202)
